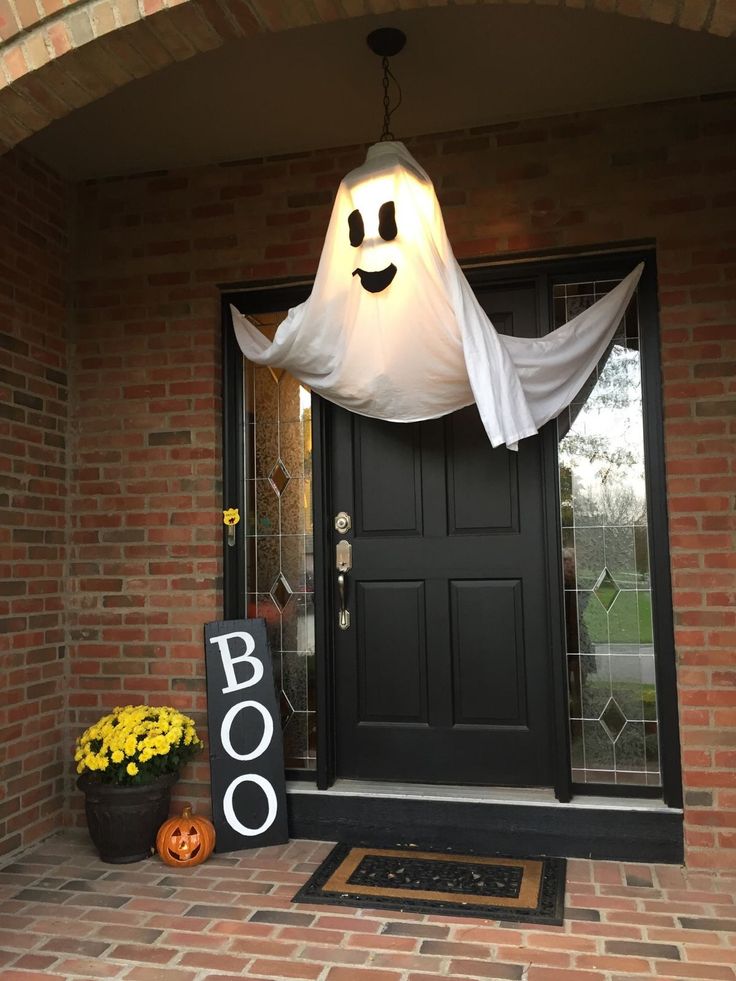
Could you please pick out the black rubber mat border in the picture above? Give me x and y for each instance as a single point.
(549, 909)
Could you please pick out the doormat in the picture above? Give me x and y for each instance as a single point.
(528, 890)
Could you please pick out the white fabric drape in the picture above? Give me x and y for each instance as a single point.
(393, 330)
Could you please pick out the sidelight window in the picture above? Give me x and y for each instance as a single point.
(279, 541)
(606, 563)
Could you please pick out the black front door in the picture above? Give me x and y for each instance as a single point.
(445, 672)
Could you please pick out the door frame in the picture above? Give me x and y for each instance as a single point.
(610, 262)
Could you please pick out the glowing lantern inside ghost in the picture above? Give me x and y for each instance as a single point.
(393, 330)
(185, 840)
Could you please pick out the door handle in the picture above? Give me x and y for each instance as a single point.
(343, 617)
(344, 563)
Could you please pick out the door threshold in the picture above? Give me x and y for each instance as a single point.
(510, 821)
(528, 796)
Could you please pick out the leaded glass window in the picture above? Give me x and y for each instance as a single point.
(605, 557)
(279, 540)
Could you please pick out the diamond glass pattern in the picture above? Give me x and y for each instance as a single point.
(281, 592)
(279, 478)
(287, 709)
(606, 589)
(613, 719)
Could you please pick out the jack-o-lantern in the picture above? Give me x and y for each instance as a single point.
(185, 840)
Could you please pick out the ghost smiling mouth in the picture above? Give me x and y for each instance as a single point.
(376, 281)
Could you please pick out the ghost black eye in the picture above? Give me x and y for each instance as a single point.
(387, 221)
(357, 229)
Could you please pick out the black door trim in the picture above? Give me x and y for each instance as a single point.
(233, 467)
(605, 263)
(323, 581)
(656, 481)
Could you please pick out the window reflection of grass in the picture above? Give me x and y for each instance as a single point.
(629, 619)
(636, 699)
(606, 590)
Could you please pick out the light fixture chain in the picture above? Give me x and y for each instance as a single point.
(387, 111)
(386, 134)
(385, 42)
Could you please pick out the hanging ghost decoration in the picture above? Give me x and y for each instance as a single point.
(392, 328)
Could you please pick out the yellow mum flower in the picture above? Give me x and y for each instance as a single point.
(121, 744)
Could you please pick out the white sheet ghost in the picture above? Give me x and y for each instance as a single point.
(393, 330)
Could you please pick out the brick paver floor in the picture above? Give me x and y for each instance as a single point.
(65, 914)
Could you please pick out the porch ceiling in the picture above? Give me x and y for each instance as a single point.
(320, 86)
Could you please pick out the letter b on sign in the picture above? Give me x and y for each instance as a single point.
(246, 752)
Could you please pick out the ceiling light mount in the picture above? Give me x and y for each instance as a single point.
(387, 42)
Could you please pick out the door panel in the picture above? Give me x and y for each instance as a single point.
(444, 674)
(488, 652)
(388, 493)
(390, 617)
(483, 489)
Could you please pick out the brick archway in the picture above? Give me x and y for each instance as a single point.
(79, 50)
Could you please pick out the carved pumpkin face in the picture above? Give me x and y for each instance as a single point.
(184, 844)
(185, 840)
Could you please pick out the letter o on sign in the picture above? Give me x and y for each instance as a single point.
(227, 804)
(227, 724)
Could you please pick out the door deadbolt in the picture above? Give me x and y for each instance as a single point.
(344, 556)
(343, 522)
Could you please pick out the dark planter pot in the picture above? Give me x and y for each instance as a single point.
(123, 821)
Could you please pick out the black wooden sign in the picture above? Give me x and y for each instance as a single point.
(246, 750)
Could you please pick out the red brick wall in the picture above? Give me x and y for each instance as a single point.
(145, 535)
(34, 275)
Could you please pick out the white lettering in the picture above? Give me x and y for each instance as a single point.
(223, 642)
(227, 804)
(227, 725)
